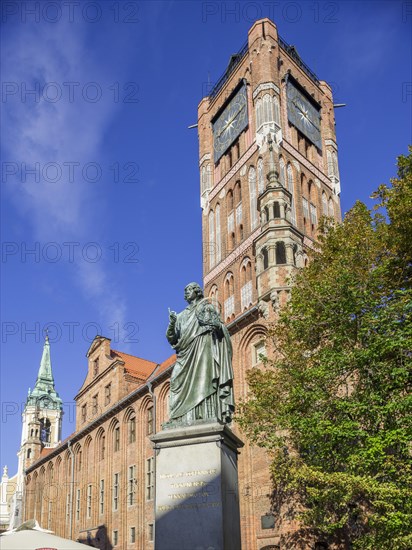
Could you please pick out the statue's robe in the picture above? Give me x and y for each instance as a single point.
(201, 383)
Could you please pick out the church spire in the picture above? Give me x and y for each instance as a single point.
(45, 370)
(44, 386)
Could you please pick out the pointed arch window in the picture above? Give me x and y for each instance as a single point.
(277, 110)
(330, 163)
(261, 177)
(265, 254)
(238, 199)
(246, 281)
(267, 108)
(282, 172)
(102, 446)
(212, 244)
(214, 296)
(229, 306)
(116, 438)
(291, 189)
(280, 252)
(259, 119)
(206, 179)
(253, 198)
(313, 215)
(331, 209)
(132, 429)
(218, 251)
(324, 204)
(335, 165)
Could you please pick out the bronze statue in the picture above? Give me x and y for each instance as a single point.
(201, 387)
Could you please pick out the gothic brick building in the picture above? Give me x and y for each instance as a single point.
(268, 167)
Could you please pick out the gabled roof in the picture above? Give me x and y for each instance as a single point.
(135, 366)
(166, 364)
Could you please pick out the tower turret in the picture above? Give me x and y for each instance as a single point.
(41, 418)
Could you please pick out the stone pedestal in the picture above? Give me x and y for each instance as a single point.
(197, 501)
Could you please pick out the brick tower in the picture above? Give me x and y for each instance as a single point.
(268, 166)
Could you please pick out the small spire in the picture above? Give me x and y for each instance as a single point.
(45, 370)
(44, 386)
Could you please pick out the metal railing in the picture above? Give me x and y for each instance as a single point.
(234, 63)
(290, 50)
(237, 58)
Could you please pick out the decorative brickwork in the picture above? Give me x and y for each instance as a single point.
(264, 197)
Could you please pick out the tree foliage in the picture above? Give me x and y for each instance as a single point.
(333, 404)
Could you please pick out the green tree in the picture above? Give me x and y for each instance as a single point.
(333, 405)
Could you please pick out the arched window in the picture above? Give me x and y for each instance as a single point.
(28, 453)
(277, 111)
(214, 297)
(280, 252)
(291, 189)
(253, 198)
(132, 429)
(261, 177)
(246, 281)
(238, 202)
(229, 200)
(276, 210)
(230, 220)
(258, 114)
(102, 446)
(116, 438)
(282, 172)
(229, 305)
(265, 254)
(218, 248)
(313, 215)
(212, 244)
(238, 192)
(335, 165)
(324, 204)
(331, 209)
(206, 179)
(267, 104)
(330, 164)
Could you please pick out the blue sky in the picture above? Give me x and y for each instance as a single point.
(113, 211)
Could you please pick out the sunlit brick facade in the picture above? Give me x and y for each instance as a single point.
(262, 196)
(98, 484)
(264, 187)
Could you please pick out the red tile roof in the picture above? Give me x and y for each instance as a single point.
(45, 451)
(137, 367)
(166, 364)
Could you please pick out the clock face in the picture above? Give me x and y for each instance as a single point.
(303, 114)
(46, 403)
(230, 123)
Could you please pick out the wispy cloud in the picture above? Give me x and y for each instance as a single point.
(69, 130)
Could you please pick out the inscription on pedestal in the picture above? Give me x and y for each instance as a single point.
(197, 504)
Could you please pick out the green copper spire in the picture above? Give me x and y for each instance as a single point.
(45, 371)
(43, 394)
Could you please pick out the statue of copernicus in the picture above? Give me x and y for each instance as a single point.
(201, 387)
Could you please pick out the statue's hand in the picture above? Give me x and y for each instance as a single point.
(172, 316)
